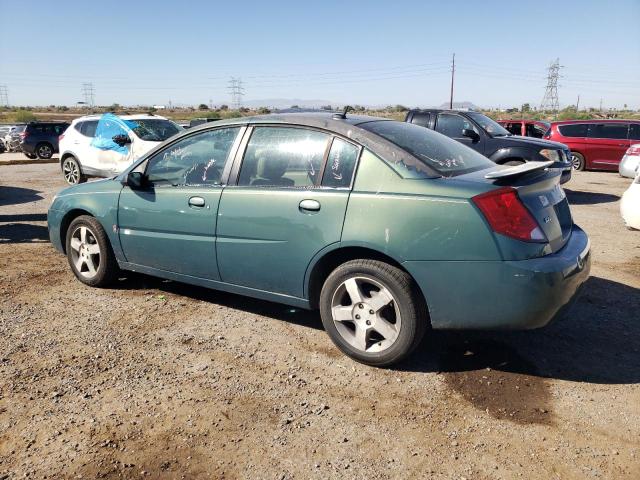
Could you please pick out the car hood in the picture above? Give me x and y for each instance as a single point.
(102, 185)
(532, 142)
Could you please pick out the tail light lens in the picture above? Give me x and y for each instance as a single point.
(633, 150)
(23, 135)
(60, 137)
(508, 216)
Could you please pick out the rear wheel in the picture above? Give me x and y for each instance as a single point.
(71, 171)
(89, 252)
(577, 161)
(373, 312)
(44, 151)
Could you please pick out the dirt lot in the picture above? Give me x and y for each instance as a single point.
(165, 380)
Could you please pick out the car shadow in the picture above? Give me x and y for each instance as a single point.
(597, 342)
(16, 195)
(24, 217)
(23, 233)
(577, 197)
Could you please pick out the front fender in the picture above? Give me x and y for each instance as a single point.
(98, 199)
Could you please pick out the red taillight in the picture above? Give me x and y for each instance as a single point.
(60, 137)
(508, 216)
(633, 150)
(23, 135)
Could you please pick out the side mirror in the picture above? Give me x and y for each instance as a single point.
(121, 139)
(136, 179)
(472, 134)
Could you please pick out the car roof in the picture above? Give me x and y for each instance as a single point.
(135, 116)
(602, 120)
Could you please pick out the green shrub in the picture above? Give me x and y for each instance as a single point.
(23, 116)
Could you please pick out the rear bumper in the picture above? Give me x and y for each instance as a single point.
(629, 166)
(521, 294)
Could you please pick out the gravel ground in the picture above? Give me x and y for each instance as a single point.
(166, 380)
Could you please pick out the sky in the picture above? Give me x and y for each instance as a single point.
(346, 52)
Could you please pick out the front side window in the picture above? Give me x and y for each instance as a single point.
(340, 164)
(573, 130)
(283, 157)
(452, 125)
(433, 153)
(609, 130)
(196, 160)
(153, 129)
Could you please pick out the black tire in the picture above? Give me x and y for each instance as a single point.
(30, 155)
(577, 161)
(406, 297)
(107, 269)
(71, 171)
(44, 151)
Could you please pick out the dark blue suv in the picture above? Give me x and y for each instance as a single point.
(40, 139)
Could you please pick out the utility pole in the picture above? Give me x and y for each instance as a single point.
(453, 72)
(88, 94)
(601, 105)
(578, 104)
(4, 96)
(550, 99)
(237, 91)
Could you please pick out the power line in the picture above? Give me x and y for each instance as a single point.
(550, 98)
(4, 96)
(237, 91)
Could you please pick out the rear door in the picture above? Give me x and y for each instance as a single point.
(283, 210)
(170, 223)
(452, 125)
(607, 144)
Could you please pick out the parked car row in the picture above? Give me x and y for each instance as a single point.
(594, 144)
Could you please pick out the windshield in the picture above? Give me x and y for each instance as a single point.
(153, 129)
(437, 152)
(492, 127)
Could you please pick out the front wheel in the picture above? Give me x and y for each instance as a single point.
(71, 171)
(373, 312)
(577, 161)
(89, 252)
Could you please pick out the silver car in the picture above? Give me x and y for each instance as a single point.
(630, 163)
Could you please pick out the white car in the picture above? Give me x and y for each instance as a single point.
(630, 205)
(105, 145)
(630, 163)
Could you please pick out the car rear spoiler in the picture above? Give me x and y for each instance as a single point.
(518, 170)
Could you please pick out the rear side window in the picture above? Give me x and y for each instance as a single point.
(340, 164)
(609, 130)
(514, 128)
(634, 131)
(88, 128)
(421, 119)
(573, 130)
(283, 157)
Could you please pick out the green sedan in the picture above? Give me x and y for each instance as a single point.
(388, 228)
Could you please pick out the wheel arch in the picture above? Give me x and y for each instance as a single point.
(326, 261)
(512, 153)
(69, 217)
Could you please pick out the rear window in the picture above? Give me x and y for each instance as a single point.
(434, 151)
(573, 130)
(609, 130)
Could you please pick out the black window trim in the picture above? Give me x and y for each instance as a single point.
(225, 172)
(239, 159)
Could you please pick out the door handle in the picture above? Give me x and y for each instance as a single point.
(309, 205)
(196, 202)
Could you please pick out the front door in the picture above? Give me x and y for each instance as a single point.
(170, 223)
(283, 209)
(452, 125)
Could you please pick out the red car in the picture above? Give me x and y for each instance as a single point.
(595, 144)
(526, 128)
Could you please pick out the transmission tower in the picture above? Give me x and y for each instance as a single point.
(89, 94)
(4, 96)
(550, 99)
(237, 91)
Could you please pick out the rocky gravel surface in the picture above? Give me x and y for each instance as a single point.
(157, 379)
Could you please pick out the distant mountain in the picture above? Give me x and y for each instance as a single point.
(465, 104)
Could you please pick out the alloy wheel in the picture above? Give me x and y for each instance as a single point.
(366, 314)
(71, 172)
(85, 252)
(45, 151)
(576, 162)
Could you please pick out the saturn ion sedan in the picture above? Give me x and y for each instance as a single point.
(388, 228)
